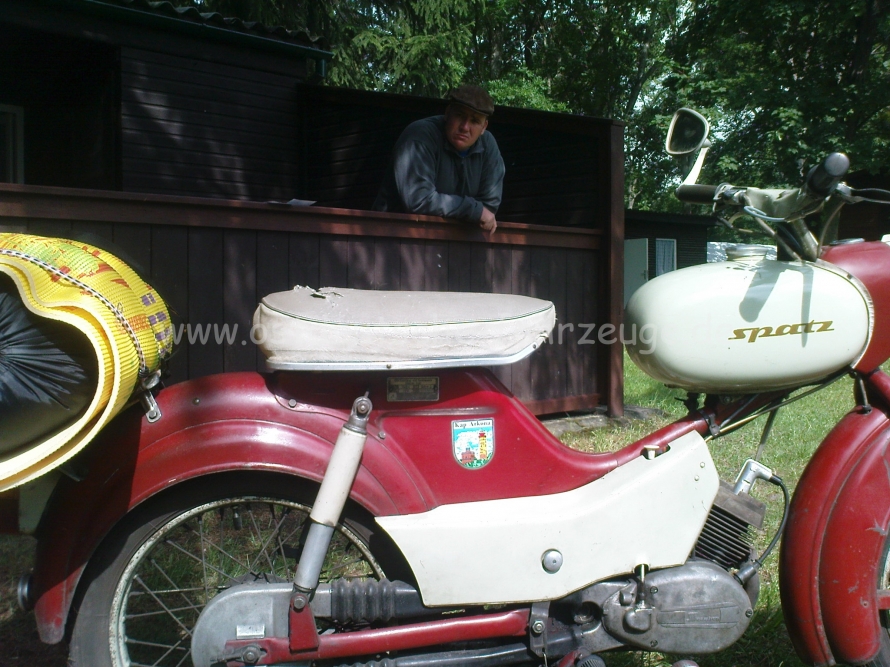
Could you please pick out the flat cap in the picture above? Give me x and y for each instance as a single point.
(474, 97)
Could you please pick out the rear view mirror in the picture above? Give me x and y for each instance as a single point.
(688, 132)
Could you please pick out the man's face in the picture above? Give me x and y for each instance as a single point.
(463, 126)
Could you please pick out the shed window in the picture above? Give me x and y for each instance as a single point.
(12, 162)
(665, 255)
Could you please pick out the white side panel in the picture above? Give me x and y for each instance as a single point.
(646, 511)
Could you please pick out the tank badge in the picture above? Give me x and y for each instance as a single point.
(402, 389)
(756, 333)
(472, 442)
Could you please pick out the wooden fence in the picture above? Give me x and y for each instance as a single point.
(214, 259)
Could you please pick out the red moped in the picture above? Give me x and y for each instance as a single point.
(379, 498)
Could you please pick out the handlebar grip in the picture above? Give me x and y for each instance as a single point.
(825, 176)
(696, 194)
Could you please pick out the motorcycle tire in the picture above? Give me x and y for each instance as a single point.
(145, 586)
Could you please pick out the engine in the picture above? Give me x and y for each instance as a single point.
(696, 608)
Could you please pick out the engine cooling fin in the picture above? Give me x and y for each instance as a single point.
(728, 536)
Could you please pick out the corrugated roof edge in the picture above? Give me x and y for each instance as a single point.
(163, 14)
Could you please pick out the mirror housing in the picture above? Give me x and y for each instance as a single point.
(688, 132)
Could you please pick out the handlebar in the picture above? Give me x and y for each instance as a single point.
(824, 177)
(696, 194)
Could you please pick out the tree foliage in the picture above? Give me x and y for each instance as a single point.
(783, 81)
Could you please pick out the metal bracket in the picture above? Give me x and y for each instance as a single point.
(537, 627)
(146, 398)
(301, 624)
(713, 426)
(861, 393)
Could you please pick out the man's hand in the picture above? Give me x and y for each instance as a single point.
(488, 221)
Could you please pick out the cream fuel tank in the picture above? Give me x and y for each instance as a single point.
(749, 324)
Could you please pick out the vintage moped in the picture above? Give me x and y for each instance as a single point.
(380, 498)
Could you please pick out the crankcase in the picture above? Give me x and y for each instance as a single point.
(696, 608)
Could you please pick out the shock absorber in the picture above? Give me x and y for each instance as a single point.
(335, 486)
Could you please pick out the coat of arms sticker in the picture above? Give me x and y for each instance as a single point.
(472, 442)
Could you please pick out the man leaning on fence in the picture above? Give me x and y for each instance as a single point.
(448, 165)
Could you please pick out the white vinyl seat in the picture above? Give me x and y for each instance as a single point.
(349, 329)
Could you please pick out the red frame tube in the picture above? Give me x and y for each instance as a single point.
(398, 638)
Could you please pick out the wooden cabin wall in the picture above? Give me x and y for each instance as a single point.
(67, 89)
(197, 128)
(213, 279)
(553, 176)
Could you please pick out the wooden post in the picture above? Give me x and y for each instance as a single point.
(614, 354)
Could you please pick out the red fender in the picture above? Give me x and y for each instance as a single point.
(248, 421)
(834, 539)
(210, 425)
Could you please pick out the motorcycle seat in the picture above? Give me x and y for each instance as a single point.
(350, 329)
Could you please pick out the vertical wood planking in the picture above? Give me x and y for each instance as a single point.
(501, 272)
(272, 254)
(94, 233)
(541, 370)
(436, 266)
(170, 276)
(14, 227)
(593, 313)
(304, 260)
(459, 267)
(361, 263)
(206, 307)
(135, 241)
(333, 257)
(387, 264)
(239, 299)
(569, 332)
(57, 228)
(480, 268)
(556, 354)
(520, 279)
(412, 275)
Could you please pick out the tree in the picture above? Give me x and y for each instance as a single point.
(405, 46)
(783, 82)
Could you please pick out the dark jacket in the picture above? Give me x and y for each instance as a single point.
(427, 175)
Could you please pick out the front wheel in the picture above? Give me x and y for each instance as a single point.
(150, 579)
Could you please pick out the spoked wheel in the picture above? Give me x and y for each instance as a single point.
(156, 572)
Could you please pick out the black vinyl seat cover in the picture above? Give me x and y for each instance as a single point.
(48, 373)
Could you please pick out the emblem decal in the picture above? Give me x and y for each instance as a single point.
(756, 333)
(472, 442)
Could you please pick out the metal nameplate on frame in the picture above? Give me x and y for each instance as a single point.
(412, 389)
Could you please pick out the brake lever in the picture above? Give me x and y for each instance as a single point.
(854, 196)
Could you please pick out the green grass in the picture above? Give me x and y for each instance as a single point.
(19, 644)
(797, 431)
